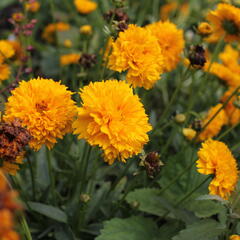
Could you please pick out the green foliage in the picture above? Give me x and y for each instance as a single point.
(134, 228)
(203, 230)
(48, 211)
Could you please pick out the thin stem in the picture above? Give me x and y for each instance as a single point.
(51, 176)
(188, 195)
(227, 131)
(175, 93)
(32, 178)
(25, 227)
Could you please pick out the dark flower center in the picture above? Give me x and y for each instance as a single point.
(42, 106)
(230, 27)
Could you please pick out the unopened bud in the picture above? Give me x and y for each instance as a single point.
(180, 118)
(135, 204)
(189, 133)
(84, 198)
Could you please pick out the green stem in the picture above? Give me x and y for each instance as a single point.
(25, 227)
(175, 93)
(51, 176)
(227, 131)
(32, 178)
(188, 195)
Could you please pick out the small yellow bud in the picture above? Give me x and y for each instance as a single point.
(189, 133)
(180, 118)
(84, 198)
(86, 29)
(204, 28)
(135, 204)
(67, 43)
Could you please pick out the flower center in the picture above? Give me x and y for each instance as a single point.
(230, 27)
(42, 106)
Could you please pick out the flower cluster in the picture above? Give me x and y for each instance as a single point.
(215, 158)
(8, 208)
(137, 51)
(47, 116)
(112, 118)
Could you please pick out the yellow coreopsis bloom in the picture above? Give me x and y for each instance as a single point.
(170, 40)
(6, 50)
(229, 69)
(216, 158)
(232, 111)
(4, 72)
(50, 29)
(113, 118)
(234, 237)
(137, 51)
(44, 107)
(226, 22)
(72, 58)
(85, 6)
(214, 127)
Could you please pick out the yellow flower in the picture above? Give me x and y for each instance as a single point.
(231, 110)
(6, 50)
(215, 158)
(226, 22)
(85, 6)
(48, 33)
(44, 107)
(170, 40)
(86, 29)
(234, 237)
(205, 28)
(32, 6)
(11, 167)
(214, 127)
(229, 69)
(72, 58)
(67, 43)
(189, 133)
(4, 72)
(137, 51)
(169, 8)
(112, 118)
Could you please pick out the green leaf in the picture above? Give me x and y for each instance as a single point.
(189, 178)
(134, 228)
(202, 230)
(48, 211)
(205, 208)
(63, 232)
(148, 200)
